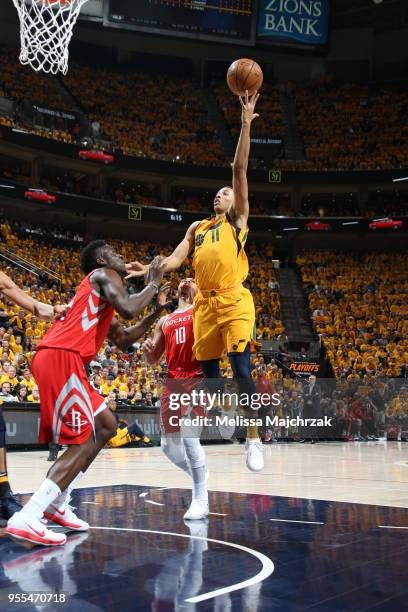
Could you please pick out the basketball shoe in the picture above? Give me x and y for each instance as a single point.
(65, 516)
(254, 455)
(31, 529)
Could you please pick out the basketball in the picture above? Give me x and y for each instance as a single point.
(244, 74)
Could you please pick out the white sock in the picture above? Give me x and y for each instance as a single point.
(173, 448)
(199, 484)
(61, 499)
(41, 499)
(196, 458)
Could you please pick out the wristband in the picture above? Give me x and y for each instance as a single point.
(152, 284)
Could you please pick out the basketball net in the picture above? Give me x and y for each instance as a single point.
(45, 32)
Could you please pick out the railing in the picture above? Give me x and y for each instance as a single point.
(27, 264)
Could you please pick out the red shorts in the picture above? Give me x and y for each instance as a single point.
(171, 409)
(68, 403)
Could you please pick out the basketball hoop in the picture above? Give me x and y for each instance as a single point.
(45, 32)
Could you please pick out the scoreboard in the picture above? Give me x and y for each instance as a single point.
(227, 20)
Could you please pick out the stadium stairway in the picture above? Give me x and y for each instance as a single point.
(294, 311)
(217, 118)
(293, 140)
(71, 101)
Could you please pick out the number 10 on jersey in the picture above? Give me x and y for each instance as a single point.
(180, 335)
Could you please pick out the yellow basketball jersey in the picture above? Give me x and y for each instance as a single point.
(219, 259)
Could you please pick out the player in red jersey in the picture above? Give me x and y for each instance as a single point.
(174, 336)
(72, 411)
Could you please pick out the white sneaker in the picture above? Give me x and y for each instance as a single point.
(32, 530)
(198, 509)
(254, 455)
(66, 517)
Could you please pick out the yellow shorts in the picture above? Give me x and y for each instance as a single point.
(224, 321)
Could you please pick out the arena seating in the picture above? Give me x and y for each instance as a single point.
(58, 249)
(21, 83)
(359, 307)
(148, 116)
(270, 122)
(158, 117)
(343, 127)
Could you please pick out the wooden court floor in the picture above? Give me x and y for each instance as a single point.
(356, 472)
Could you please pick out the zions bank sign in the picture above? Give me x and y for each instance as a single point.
(306, 21)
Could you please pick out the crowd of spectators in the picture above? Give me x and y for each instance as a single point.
(330, 205)
(22, 84)
(269, 124)
(358, 304)
(359, 307)
(148, 115)
(121, 373)
(26, 87)
(343, 126)
(350, 126)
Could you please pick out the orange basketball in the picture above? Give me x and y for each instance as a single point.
(244, 74)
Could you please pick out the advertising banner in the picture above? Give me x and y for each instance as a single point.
(304, 21)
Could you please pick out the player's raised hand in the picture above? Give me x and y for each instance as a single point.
(136, 269)
(44, 311)
(60, 311)
(155, 271)
(248, 104)
(163, 296)
(148, 348)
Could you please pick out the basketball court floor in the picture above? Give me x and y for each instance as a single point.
(322, 528)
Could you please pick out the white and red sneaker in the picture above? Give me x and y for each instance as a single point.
(33, 530)
(65, 517)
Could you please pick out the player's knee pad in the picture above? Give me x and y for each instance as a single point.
(2, 430)
(195, 452)
(173, 448)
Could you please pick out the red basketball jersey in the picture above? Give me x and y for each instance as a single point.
(179, 340)
(85, 326)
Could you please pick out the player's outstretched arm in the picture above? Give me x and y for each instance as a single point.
(173, 261)
(153, 348)
(23, 300)
(124, 337)
(129, 306)
(240, 209)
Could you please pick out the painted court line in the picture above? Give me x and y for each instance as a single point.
(217, 514)
(267, 564)
(93, 503)
(150, 501)
(143, 494)
(391, 527)
(290, 521)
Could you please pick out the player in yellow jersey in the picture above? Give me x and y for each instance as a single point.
(224, 313)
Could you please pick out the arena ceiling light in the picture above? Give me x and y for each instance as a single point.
(7, 186)
(290, 229)
(398, 180)
(350, 223)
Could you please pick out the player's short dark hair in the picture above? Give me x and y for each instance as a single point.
(90, 254)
